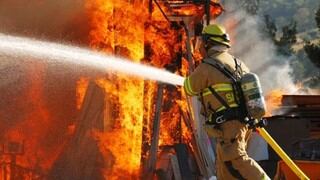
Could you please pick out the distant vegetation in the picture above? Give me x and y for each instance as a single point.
(284, 11)
(294, 27)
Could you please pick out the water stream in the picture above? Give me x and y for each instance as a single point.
(47, 51)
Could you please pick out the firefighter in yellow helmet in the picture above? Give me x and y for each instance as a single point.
(213, 81)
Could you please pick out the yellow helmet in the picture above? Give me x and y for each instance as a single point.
(216, 33)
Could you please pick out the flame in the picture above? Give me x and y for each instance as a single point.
(118, 28)
(126, 28)
(122, 28)
(82, 85)
(273, 100)
(189, 10)
(31, 137)
(183, 8)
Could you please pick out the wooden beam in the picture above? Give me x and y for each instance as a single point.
(301, 112)
(164, 168)
(188, 46)
(81, 158)
(194, 144)
(175, 166)
(201, 139)
(183, 158)
(156, 130)
(310, 109)
(300, 100)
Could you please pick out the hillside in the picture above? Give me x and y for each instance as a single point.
(283, 11)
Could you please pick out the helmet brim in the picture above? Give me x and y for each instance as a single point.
(215, 42)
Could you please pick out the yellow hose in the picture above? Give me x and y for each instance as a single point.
(282, 154)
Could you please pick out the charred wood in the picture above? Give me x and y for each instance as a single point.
(82, 158)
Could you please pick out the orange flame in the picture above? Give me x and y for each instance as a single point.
(118, 28)
(273, 100)
(125, 28)
(82, 85)
(182, 8)
(31, 137)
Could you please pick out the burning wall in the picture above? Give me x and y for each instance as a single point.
(30, 132)
(122, 28)
(126, 29)
(118, 28)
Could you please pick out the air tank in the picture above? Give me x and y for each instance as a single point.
(252, 93)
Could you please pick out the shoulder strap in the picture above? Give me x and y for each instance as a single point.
(216, 64)
(226, 72)
(238, 72)
(219, 98)
(203, 104)
(236, 87)
(234, 78)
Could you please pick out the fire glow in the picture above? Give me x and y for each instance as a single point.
(126, 29)
(273, 100)
(115, 33)
(120, 28)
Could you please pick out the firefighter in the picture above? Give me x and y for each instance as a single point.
(214, 82)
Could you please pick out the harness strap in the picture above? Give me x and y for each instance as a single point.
(221, 68)
(240, 98)
(234, 77)
(238, 72)
(220, 99)
(222, 87)
(223, 116)
(203, 105)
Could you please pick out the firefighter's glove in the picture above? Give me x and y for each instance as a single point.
(255, 123)
(262, 123)
(212, 131)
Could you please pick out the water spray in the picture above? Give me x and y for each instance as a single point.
(27, 47)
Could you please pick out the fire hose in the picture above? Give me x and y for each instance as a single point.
(258, 126)
(266, 136)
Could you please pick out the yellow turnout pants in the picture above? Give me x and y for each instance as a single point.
(232, 161)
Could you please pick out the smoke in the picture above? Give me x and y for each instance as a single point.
(49, 19)
(250, 44)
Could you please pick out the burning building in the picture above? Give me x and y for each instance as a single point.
(126, 127)
(116, 126)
